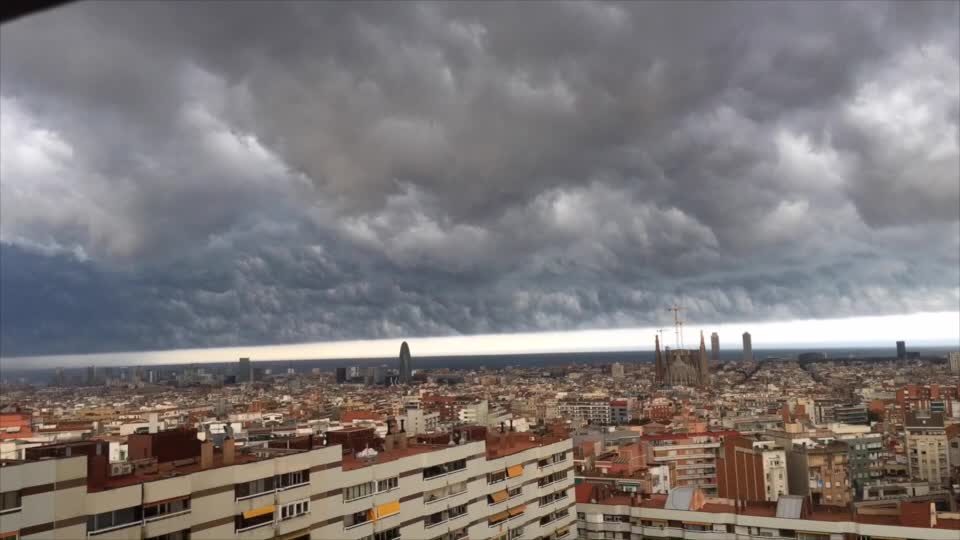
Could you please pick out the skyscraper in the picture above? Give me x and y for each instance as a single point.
(901, 350)
(341, 375)
(245, 371)
(658, 359)
(747, 347)
(406, 370)
(715, 347)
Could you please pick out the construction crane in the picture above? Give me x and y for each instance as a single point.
(678, 324)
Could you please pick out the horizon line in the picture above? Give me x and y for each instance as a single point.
(934, 329)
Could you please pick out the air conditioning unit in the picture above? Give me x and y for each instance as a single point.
(120, 469)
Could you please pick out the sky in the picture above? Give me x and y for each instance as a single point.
(197, 175)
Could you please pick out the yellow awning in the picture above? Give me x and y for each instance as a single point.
(500, 496)
(388, 509)
(515, 471)
(563, 531)
(517, 509)
(499, 516)
(258, 512)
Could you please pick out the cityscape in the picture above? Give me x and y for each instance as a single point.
(476, 270)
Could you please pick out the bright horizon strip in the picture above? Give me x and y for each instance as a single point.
(918, 329)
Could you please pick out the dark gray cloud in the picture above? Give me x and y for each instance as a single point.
(280, 172)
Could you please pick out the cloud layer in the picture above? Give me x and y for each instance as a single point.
(186, 175)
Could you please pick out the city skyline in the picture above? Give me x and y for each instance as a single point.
(924, 329)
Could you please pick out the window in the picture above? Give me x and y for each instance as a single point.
(553, 497)
(388, 484)
(179, 535)
(10, 501)
(444, 515)
(294, 509)
(114, 520)
(616, 518)
(254, 487)
(358, 491)
(445, 468)
(553, 516)
(514, 492)
(153, 511)
(551, 478)
(254, 518)
(293, 479)
(389, 534)
(357, 518)
(495, 477)
(515, 533)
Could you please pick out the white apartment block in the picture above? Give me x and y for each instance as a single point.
(585, 411)
(774, 469)
(685, 514)
(508, 486)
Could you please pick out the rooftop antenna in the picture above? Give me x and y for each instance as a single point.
(677, 324)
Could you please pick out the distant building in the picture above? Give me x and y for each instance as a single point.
(820, 473)
(91, 375)
(341, 375)
(616, 371)
(244, 371)
(686, 367)
(406, 369)
(954, 362)
(902, 350)
(715, 347)
(747, 347)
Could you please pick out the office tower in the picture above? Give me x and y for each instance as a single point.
(341, 375)
(955, 362)
(747, 347)
(616, 371)
(901, 350)
(704, 367)
(715, 347)
(59, 377)
(658, 359)
(406, 370)
(91, 375)
(245, 371)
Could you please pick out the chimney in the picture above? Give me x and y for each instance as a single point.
(511, 424)
(502, 427)
(229, 451)
(403, 428)
(206, 454)
(388, 442)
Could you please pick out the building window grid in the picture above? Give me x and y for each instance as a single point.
(295, 509)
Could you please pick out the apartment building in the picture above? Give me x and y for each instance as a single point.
(692, 457)
(774, 469)
(820, 472)
(689, 513)
(586, 411)
(867, 458)
(498, 485)
(928, 456)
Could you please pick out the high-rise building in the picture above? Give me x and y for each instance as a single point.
(341, 375)
(509, 485)
(245, 371)
(406, 369)
(954, 362)
(747, 347)
(715, 347)
(91, 375)
(901, 350)
(59, 377)
(927, 456)
(616, 371)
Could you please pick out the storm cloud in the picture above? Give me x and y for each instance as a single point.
(183, 175)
